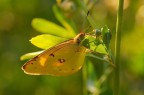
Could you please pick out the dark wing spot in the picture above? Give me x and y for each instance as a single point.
(31, 63)
(52, 55)
(61, 60)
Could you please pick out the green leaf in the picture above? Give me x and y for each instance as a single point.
(49, 27)
(106, 36)
(30, 55)
(46, 41)
(88, 42)
(101, 49)
(93, 44)
(66, 22)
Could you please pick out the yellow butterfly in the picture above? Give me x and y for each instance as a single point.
(63, 59)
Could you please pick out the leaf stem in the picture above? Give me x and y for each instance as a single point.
(84, 77)
(117, 47)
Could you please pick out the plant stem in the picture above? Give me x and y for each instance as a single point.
(117, 47)
(84, 76)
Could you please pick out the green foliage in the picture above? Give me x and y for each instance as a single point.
(106, 36)
(66, 22)
(46, 26)
(30, 55)
(137, 68)
(46, 41)
(94, 44)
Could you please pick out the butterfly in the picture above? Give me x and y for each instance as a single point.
(63, 59)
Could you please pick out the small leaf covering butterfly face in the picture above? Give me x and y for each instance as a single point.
(63, 59)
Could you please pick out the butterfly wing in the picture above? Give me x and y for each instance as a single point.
(63, 59)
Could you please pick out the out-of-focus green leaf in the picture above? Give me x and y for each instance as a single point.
(67, 23)
(136, 64)
(46, 41)
(30, 55)
(46, 26)
(92, 79)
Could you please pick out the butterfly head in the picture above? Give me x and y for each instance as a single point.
(79, 38)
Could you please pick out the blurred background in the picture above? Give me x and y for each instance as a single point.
(16, 30)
